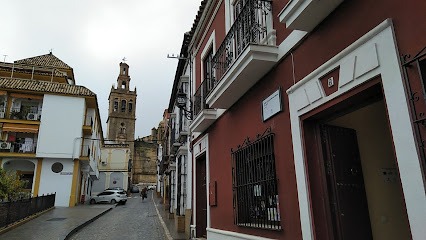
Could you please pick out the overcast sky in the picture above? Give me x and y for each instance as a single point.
(93, 37)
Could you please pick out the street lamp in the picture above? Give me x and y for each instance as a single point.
(181, 103)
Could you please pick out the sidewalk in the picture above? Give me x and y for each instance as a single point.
(58, 223)
(169, 223)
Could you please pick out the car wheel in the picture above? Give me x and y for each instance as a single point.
(92, 201)
(113, 201)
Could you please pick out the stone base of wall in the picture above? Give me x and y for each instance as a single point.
(188, 214)
(180, 223)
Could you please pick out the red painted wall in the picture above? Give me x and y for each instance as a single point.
(346, 24)
(218, 25)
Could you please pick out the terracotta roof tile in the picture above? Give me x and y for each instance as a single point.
(198, 17)
(47, 60)
(45, 87)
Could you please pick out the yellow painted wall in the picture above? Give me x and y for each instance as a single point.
(37, 177)
(75, 180)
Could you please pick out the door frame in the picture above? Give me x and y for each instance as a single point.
(199, 148)
(374, 54)
(363, 95)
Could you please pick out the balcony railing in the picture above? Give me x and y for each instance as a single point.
(200, 96)
(28, 146)
(25, 113)
(250, 27)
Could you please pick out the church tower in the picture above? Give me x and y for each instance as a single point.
(122, 110)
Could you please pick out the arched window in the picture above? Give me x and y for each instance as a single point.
(122, 128)
(115, 104)
(130, 105)
(123, 105)
(123, 85)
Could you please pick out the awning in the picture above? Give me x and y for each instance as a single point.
(16, 127)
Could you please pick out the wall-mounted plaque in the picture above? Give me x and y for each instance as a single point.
(271, 105)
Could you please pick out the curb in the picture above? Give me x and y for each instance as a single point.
(86, 223)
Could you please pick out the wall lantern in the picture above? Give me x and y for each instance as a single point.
(181, 103)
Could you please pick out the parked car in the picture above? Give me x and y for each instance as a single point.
(110, 196)
(152, 187)
(134, 189)
(115, 188)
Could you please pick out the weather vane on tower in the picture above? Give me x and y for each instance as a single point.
(124, 59)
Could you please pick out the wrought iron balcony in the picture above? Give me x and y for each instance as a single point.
(203, 115)
(20, 145)
(24, 109)
(246, 54)
(200, 97)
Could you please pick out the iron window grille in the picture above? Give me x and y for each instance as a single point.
(414, 69)
(254, 182)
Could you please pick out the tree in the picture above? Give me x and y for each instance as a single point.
(10, 185)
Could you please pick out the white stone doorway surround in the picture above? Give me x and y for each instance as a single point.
(374, 54)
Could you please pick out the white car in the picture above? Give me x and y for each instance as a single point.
(110, 196)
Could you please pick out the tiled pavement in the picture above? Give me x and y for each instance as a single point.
(57, 223)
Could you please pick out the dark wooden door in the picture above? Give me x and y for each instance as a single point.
(201, 197)
(345, 184)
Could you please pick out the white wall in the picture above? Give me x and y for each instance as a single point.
(60, 183)
(60, 126)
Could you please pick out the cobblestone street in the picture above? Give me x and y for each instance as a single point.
(136, 219)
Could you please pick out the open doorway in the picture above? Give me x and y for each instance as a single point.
(353, 174)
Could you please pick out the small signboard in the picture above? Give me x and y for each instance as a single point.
(212, 193)
(271, 105)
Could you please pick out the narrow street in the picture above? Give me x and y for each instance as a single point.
(136, 219)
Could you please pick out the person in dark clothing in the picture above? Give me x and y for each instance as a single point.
(143, 193)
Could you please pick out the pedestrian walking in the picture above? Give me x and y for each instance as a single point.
(144, 193)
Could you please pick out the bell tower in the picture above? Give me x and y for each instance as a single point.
(122, 110)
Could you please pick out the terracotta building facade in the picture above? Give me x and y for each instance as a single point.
(307, 119)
